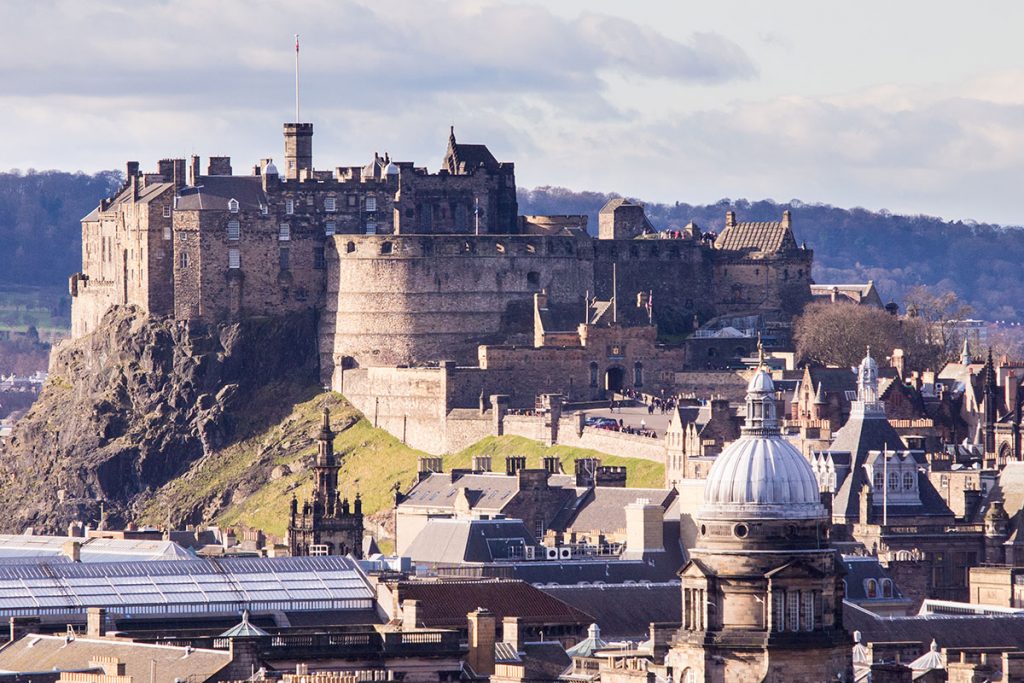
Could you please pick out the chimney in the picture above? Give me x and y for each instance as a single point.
(514, 463)
(645, 527)
(552, 464)
(899, 361)
(730, 219)
(219, 166)
(73, 550)
(482, 625)
(586, 471)
(510, 632)
(165, 168)
(193, 170)
(787, 219)
(131, 170)
(410, 614)
(179, 175)
(426, 465)
(96, 622)
(481, 463)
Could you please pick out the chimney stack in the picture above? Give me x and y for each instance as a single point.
(482, 627)
(510, 632)
(645, 527)
(96, 622)
(193, 170)
(730, 219)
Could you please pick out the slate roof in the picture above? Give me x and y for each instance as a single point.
(857, 293)
(37, 652)
(445, 603)
(604, 510)
(962, 631)
(489, 492)
(146, 195)
(857, 437)
(858, 570)
(767, 237)
(458, 541)
(212, 193)
(474, 155)
(624, 611)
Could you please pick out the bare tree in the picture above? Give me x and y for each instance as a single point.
(940, 312)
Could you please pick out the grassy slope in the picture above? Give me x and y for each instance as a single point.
(235, 487)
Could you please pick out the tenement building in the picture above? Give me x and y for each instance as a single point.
(762, 592)
(406, 266)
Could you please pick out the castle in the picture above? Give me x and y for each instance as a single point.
(407, 268)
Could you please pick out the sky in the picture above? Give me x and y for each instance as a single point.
(910, 106)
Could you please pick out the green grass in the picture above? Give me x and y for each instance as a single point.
(48, 308)
(247, 485)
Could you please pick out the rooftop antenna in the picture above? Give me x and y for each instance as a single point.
(297, 118)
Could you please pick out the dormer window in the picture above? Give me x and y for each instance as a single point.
(908, 481)
(233, 205)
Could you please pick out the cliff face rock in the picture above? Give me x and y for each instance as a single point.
(133, 405)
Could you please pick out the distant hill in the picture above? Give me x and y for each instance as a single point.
(978, 261)
(40, 233)
(39, 223)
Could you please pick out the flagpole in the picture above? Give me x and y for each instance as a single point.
(297, 117)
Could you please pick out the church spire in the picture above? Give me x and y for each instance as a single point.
(965, 352)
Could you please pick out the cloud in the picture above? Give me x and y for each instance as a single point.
(361, 56)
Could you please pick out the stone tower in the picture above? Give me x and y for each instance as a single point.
(298, 149)
(326, 525)
(762, 593)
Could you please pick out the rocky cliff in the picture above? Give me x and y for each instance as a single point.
(134, 405)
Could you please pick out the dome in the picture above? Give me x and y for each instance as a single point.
(762, 475)
(391, 169)
(868, 364)
(761, 383)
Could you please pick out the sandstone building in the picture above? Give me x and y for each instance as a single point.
(405, 266)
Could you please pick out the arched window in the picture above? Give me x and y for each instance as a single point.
(908, 481)
(638, 374)
(871, 588)
(350, 247)
(886, 588)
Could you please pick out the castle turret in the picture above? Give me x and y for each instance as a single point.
(298, 149)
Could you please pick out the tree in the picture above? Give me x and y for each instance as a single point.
(940, 313)
(839, 333)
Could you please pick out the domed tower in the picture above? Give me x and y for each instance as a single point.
(762, 593)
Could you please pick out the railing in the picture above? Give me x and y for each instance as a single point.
(340, 644)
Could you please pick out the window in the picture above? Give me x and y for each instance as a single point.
(330, 204)
(234, 230)
(159, 254)
(167, 234)
(284, 232)
(264, 209)
(167, 211)
(233, 205)
(533, 278)
(183, 260)
(182, 237)
(593, 374)
(886, 588)
(351, 200)
(318, 550)
(808, 615)
(778, 611)
(234, 259)
(289, 206)
(908, 481)
(879, 482)
(283, 258)
(371, 228)
(871, 588)
(330, 228)
(894, 481)
(385, 248)
(350, 247)
(318, 258)
(793, 610)
(371, 204)
(638, 374)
